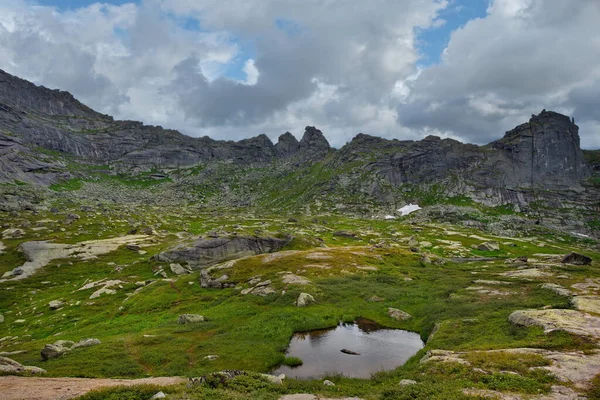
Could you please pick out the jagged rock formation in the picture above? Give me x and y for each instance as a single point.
(41, 130)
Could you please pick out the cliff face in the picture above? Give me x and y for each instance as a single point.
(41, 128)
(543, 153)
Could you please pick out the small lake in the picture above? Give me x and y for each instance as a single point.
(378, 349)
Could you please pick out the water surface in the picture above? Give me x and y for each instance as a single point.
(379, 348)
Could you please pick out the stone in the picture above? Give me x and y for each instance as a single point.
(587, 303)
(276, 380)
(159, 395)
(559, 290)
(576, 259)
(52, 351)
(177, 269)
(1, 318)
(293, 279)
(398, 315)
(203, 252)
(133, 247)
(86, 343)
(350, 352)
(101, 292)
(263, 291)
(489, 246)
(206, 281)
(328, 383)
(11, 367)
(211, 357)
(12, 233)
(190, 319)
(407, 382)
(572, 321)
(56, 304)
(304, 299)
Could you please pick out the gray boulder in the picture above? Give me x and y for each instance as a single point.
(209, 251)
(398, 315)
(576, 259)
(489, 246)
(304, 299)
(51, 351)
(10, 366)
(56, 304)
(177, 269)
(190, 319)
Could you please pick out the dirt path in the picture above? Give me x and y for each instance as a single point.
(22, 388)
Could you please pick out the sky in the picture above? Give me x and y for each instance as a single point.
(464, 69)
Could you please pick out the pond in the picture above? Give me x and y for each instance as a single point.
(354, 350)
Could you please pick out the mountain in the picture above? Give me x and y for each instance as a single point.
(47, 138)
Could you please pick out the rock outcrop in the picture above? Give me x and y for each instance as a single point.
(210, 251)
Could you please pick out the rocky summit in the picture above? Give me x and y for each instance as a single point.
(207, 268)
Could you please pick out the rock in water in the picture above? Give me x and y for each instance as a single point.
(190, 319)
(576, 259)
(209, 251)
(352, 353)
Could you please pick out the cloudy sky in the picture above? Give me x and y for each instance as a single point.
(467, 69)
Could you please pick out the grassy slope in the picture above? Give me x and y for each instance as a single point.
(251, 333)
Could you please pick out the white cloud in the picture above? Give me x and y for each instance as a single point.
(344, 69)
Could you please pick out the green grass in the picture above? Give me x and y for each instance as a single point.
(140, 335)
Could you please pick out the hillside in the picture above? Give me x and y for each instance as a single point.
(132, 251)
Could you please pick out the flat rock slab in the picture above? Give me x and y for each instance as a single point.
(527, 273)
(25, 388)
(571, 321)
(40, 253)
(587, 303)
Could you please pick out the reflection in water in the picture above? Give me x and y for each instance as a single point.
(379, 348)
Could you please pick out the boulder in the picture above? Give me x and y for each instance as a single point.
(263, 291)
(177, 269)
(10, 366)
(158, 395)
(328, 383)
(304, 299)
(489, 246)
(86, 343)
(53, 351)
(1, 318)
(190, 319)
(576, 259)
(209, 251)
(206, 281)
(56, 304)
(276, 380)
(398, 315)
(133, 247)
(12, 233)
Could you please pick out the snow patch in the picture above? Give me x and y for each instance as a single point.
(410, 208)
